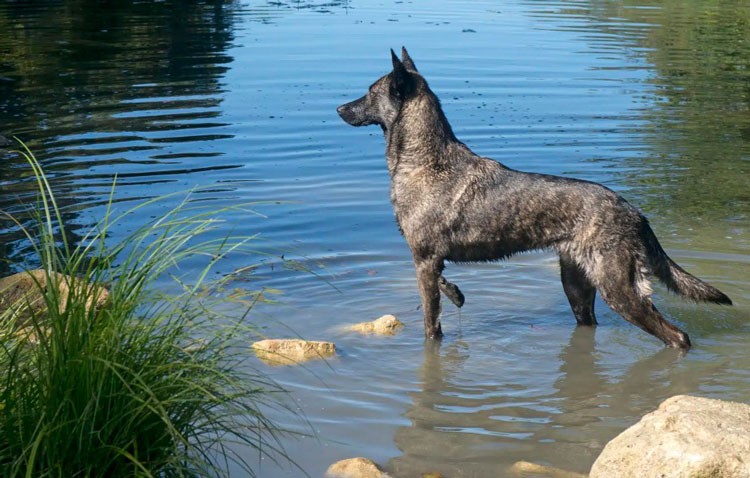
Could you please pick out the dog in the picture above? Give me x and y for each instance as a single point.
(454, 205)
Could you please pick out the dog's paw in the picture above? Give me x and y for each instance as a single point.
(452, 292)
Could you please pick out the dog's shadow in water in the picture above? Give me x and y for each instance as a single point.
(464, 428)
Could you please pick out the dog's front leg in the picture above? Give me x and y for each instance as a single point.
(428, 275)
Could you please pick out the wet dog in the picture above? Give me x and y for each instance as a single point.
(453, 205)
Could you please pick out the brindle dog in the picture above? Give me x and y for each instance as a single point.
(454, 205)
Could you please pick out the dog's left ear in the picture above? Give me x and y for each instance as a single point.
(403, 81)
(407, 61)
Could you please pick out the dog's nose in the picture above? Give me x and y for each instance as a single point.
(340, 109)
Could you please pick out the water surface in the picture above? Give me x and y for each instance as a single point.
(650, 98)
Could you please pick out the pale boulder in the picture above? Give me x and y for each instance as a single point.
(686, 437)
(292, 351)
(385, 325)
(355, 468)
(24, 293)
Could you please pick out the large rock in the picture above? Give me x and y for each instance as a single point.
(355, 468)
(385, 325)
(686, 437)
(292, 351)
(24, 293)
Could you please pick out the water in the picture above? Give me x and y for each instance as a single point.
(649, 98)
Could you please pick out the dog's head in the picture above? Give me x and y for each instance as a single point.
(385, 97)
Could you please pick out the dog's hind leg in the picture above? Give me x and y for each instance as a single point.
(624, 295)
(428, 279)
(579, 289)
(451, 291)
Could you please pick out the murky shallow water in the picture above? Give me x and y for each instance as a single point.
(649, 98)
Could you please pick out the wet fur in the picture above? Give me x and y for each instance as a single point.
(454, 205)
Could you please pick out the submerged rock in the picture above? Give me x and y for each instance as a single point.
(385, 325)
(355, 468)
(686, 437)
(4, 141)
(292, 351)
(24, 293)
(525, 468)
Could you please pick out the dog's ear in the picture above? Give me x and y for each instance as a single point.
(403, 82)
(407, 61)
(396, 62)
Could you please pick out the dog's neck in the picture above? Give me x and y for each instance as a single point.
(420, 134)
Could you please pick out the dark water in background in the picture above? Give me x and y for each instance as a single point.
(651, 98)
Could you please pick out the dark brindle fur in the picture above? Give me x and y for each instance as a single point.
(453, 205)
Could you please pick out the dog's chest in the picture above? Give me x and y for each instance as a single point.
(420, 196)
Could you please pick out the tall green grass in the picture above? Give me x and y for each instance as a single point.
(148, 385)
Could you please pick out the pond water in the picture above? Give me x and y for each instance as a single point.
(649, 97)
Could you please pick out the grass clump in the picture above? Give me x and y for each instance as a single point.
(145, 385)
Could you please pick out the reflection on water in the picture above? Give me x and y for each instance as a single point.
(463, 417)
(649, 98)
(132, 89)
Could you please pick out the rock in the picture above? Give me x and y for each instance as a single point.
(686, 437)
(292, 351)
(24, 293)
(30, 334)
(525, 468)
(385, 325)
(355, 468)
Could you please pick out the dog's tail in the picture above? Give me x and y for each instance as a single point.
(676, 278)
(679, 281)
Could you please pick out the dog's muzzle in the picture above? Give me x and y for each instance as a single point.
(353, 112)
